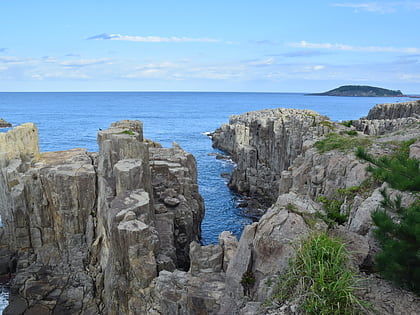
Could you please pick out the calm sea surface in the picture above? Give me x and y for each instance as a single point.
(70, 120)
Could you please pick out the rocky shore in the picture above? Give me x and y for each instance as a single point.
(118, 231)
(279, 149)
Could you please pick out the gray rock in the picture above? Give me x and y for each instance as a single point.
(264, 144)
(84, 226)
(229, 244)
(4, 124)
(205, 259)
(395, 110)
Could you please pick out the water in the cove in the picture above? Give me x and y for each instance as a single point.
(70, 120)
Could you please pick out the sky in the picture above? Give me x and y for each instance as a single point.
(230, 45)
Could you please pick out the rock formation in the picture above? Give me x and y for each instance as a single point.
(91, 231)
(4, 123)
(387, 118)
(306, 174)
(118, 231)
(265, 143)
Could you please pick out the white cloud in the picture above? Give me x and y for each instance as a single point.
(262, 63)
(377, 49)
(151, 39)
(410, 77)
(84, 62)
(59, 75)
(147, 74)
(15, 60)
(380, 7)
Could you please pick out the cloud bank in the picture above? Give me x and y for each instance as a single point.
(150, 39)
(381, 7)
(374, 49)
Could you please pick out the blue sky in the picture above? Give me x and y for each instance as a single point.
(266, 45)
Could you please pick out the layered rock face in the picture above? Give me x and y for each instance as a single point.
(90, 231)
(395, 110)
(117, 232)
(387, 118)
(264, 247)
(265, 143)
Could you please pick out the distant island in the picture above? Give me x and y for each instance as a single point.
(360, 90)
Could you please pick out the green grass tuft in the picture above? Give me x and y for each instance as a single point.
(334, 141)
(348, 123)
(127, 132)
(318, 279)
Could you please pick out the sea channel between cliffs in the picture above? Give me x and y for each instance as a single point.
(118, 231)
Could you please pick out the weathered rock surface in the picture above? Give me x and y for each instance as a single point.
(90, 231)
(265, 143)
(117, 232)
(395, 110)
(265, 246)
(386, 118)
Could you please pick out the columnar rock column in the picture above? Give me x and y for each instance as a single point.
(265, 143)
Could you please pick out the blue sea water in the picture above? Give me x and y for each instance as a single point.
(70, 120)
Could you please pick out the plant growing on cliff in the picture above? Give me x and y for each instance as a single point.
(398, 234)
(127, 132)
(398, 170)
(319, 280)
(332, 209)
(399, 259)
(333, 212)
(247, 281)
(335, 141)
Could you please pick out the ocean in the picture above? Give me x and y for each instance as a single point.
(72, 119)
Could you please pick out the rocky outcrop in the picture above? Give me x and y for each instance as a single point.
(4, 123)
(91, 231)
(265, 246)
(265, 143)
(118, 231)
(395, 110)
(387, 118)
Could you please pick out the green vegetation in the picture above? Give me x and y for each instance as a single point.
(247, 281)
(291, 207)
(327, 124)
(399, 260)
(360, 90)
(399, 236)
(319, 280)
(332, 214)
(348, 123)
(334, 141)
(352, 133)
(127, 132)
(398, 170)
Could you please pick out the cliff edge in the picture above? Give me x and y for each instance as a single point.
(303, 179)
(89, 232)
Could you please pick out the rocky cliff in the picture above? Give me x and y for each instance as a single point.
(117, 232)
(89, 232)
(265, 143)
(386, 118)
(314, 172)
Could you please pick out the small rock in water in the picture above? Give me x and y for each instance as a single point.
(4, 123)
